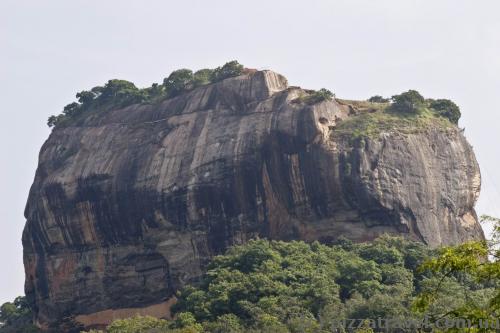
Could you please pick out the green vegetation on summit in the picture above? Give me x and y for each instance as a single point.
(408, 112)
(121, 93)
(315, 96)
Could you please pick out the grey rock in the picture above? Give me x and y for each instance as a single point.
(129, 205)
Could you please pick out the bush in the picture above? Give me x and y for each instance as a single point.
(185, 323)
(121, 93)
(408, 102)
(378, 99)
(473, 263)
(85, 97)
(178, 82)
(317, 96)
(229, 69)
(185, 320)
(16, 317)
(324, 94)
(227, 323)
(137, 324)
(447, 109)
(154, 92)
(202, 77)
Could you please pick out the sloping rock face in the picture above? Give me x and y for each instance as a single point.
(129, 205)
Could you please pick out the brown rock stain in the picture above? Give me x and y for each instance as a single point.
(102, 319)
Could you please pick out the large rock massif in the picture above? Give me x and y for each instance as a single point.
(129, 205)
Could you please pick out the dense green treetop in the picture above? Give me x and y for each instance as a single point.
(273, 286)
(412, 102)
(408, 102)
(229, 69)
(121, 93)
(476, 264)
(178, 81)
(16, 317)
(446, 108)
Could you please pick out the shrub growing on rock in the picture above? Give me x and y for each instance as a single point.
(178, 81)
(447, 109)
(229, 69)
(16, 317)
(378, 99)
(318, 96)
(408, 102)
(202, 77)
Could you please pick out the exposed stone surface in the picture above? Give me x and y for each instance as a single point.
(129, 205)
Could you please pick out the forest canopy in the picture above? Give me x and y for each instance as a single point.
(295, 287)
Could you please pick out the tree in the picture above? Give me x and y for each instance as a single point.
(378, 99)
(7, 312)
(202, 77)
(318, 96)
(142, 324)
(137, 324)
(119, 93)
(469, 263)
(85, 97)
(16, 317)
(447, 109)
(227, 323)
(229, 69)
(324, 94)
(381, 253)
(154, 92)
(178, 81)
(72, 109)
(53, 120)
(408, 102)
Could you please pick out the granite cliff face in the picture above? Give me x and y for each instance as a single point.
(129, 205)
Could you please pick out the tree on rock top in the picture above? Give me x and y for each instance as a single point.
(447, 109)
(408, 102)
(178, 81)
(378, 99)
(229, 69)
(202, 77)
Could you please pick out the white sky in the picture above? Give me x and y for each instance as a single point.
(51, 49)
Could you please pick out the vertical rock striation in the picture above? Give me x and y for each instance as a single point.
(129, 205)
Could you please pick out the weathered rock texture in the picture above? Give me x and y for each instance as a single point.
(128, 205)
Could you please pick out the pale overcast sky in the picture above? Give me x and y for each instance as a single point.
(51, 49)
